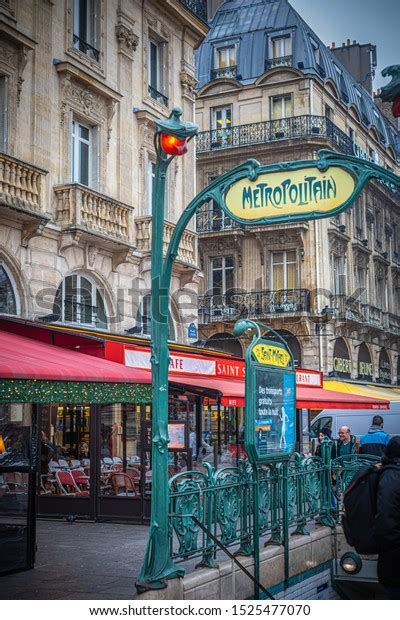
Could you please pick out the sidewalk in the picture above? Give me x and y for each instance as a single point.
(81, 561)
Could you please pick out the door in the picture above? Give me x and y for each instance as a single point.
(18, 450)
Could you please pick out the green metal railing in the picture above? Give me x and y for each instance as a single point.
(223, 501)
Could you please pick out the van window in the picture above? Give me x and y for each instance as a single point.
(319, 424)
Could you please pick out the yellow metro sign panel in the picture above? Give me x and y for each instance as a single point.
(271, 355)
(279, 195)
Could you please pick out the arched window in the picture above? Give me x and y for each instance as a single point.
(8, 295)
(78, 300)
(143, 320)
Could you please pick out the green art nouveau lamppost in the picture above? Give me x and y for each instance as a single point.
(171, 138)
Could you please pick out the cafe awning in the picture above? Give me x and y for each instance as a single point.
(370, 391)
(321, 398)
(232, 394)
(34, 371)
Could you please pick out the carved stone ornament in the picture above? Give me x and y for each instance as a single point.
(338, 247)
(91, 255)
(127, 39)
(381, 270)
(361, 259)
(188, 83)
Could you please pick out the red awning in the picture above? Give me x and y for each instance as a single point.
(232, 393)
(318, 398)
(23, 358)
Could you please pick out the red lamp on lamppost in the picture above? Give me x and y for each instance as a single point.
(391, 92)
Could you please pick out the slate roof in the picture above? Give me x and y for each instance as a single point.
(248, 23)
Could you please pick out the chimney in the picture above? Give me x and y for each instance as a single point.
(343, 44)
(348, 41)
(333, 45)
(354, 42)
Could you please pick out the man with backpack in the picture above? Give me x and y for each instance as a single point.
(375, 441)
(386, 528)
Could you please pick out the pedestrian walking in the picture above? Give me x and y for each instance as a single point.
(387, 520)
(346, 444)
(375, 441)
(325, 432)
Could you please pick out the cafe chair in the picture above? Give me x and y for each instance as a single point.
(122, 484)
(67, 485)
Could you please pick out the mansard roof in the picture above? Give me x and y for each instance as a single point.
(248, 24)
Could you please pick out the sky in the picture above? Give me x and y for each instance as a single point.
(366, 21)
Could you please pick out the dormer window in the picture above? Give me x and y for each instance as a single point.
(379, 127)
(316, 50)
(280, 52)
(224, 62)
(362, 108)
(342, 85)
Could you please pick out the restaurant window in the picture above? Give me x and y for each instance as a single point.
(3, 113)
(15, 442)
(65, 445)
(84, 155)
(8, 294)
(78, 300)
(120, 450)
(86, 22)
(157, 71)
(284, 270)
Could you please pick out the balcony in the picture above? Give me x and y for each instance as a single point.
(214, 220)
(224, 72)
(86, 48)
(22, 196)
(260, 304)
(347, 308)
(280, 61)
(157, 96)
(21, 186)
(198, 7)
(80, 208)
(293, 128)
(394, 324)
(187, 246)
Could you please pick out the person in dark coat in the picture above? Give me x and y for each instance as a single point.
(387, 520)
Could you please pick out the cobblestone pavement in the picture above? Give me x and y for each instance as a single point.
(81, 561)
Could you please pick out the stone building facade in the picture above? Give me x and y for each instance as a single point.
(81, 83)
(269, 89)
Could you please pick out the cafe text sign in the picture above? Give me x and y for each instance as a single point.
(282, 195)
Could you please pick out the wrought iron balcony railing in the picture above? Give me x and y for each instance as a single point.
(280, 61)
(214, 220)
(198, 7)
(160, 97)
(224, 72)
(233, 305)
(86, 48)
(295, 127)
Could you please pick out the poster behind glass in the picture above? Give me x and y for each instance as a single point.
(275, 410)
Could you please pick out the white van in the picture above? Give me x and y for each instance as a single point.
(358, 420)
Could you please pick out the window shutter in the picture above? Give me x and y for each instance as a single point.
(3, 113)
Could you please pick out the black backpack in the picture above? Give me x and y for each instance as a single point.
(360, 500)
